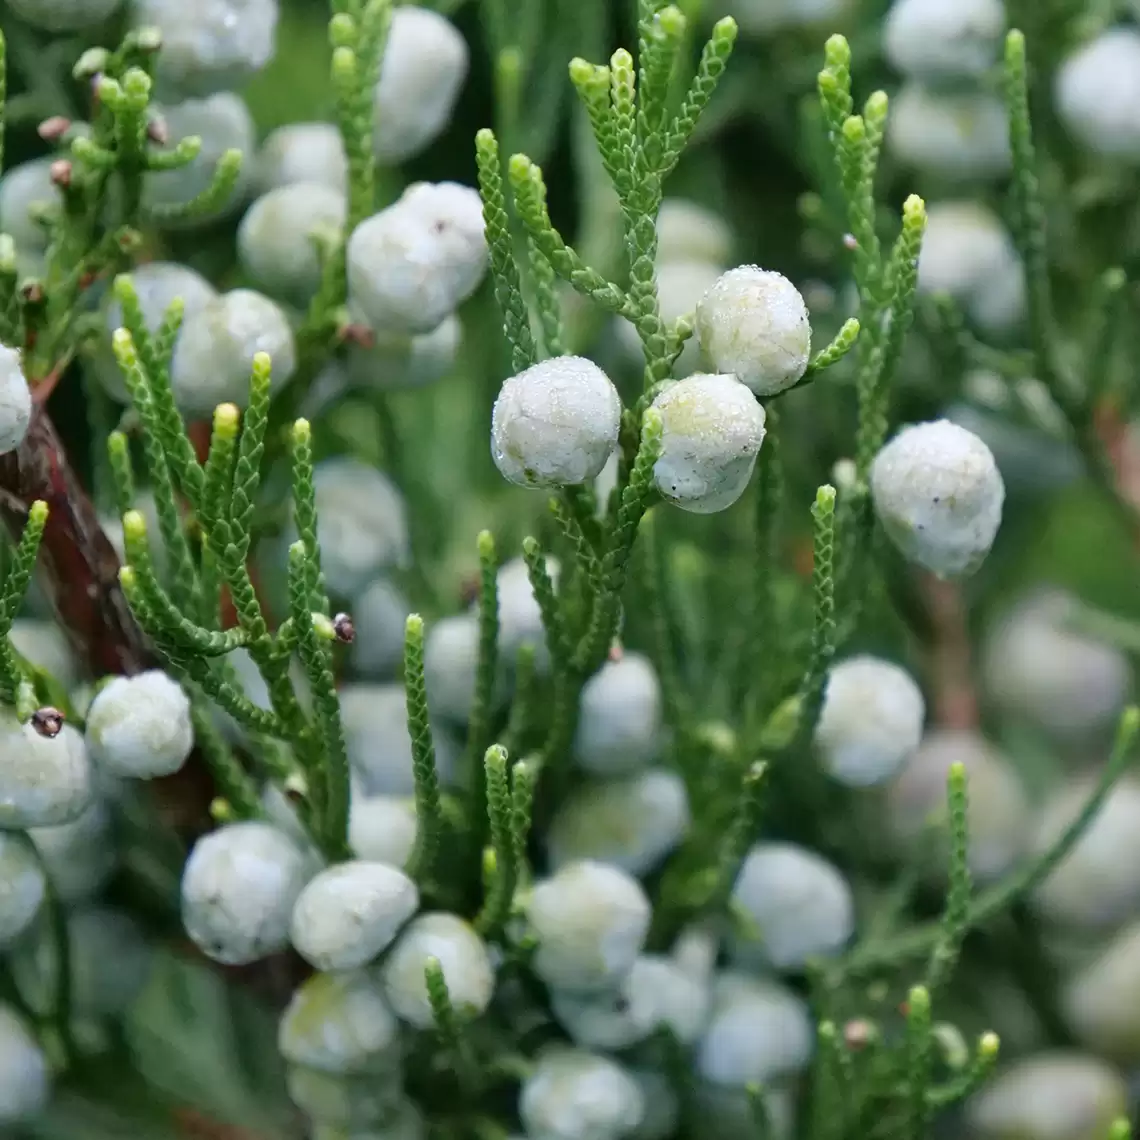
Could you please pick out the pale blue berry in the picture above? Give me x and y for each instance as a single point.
(302, 152)
(959, 135)
(943, 39)
(383, 828)
(619, 723)
(43, 781)
(1097, 94)
(15, 400)
(26, 191)
(80, 856)
(25, 1077)
(22, 887)
(379, 615)
(575, 1095)
(395, 360)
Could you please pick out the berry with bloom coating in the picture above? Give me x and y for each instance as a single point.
(657, 993)
(998, 814)
(754, 324)
(210, 45)
(688, 231)
(80, 856)
(590, 921)
(214, 357)
(358, 1106)
(375, 719)
(630, 823)
(15, 400)
(1097, 94)
(26, 190)
(414, 263)
(397, 360)
(378, 614)
(967, 253)
(871, 720)
(763, 17)
(574, 1095)
(951, 134)
(275, 240)
(302, 152)
(222, 122)
(63, 15)
(239, 887)
(1064, 680)
(1100, 1001)
(1049, 1096)
(796, 906)
(25, 1078)
(451, 654)
(520, 618)
(619, 725)
(943, 39)
(22, 887)
(759, 1032)
(712, 429)
(383, 829)
(43, 780)
(340, 1024)
(463, 960)
(1097, 885)
(424, 66)
(939, 495)
(556, 423)
(157, 284)
(140, 726)
(348, 914)
(362, 524)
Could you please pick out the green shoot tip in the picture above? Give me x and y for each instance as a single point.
(226, 419)
(988, 1045)
(134, 526)
(38, 512)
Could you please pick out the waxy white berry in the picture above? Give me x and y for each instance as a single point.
(575, 1095)
(754, 324)
(712, 429)
(556, 423)
(872, 719)
(239, 887)
(15, 400)
(22, 886)
(140, 726)
(943, 39)
(383, 829)
(938, 494)
(25, 1077)
(412, 265)
(302, 152)
(348, 914)
(43, 780)
(1097, 94)
(463, 960)
(619, 722)
(952, 134)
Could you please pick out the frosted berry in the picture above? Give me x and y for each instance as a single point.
(657, 993)
(960, 135)
(943, 39)
(967, 253)
(1097, 885)
(795, 906)
(22, 887)
(759, 1032)
(210, 45)
(43, 780)
(275, 240)
(25, 1077)
(451, 653)
(378, 614)
(1097, 94)
(383, 829)
(302, 152)
(1100, 1000)
(998, 814)
(1036, 666)
(214, 357)
(1056, 1095)
(63, 15)
(340, 1024)
(520, 618)
(688, 231)
(872, 719)
(556, 423)
(754, 324)
(631, 823)
(157, 284)
(575, 1095)
(938, 494)
(415, 262)
(26, 191)
(463, 960)
(619, 723)
(80, 856)
(424, 66)
(348, 914)
(222, 122)
(239, 887)
(140, 726)
(362, 524)
(15, 400)
(398, 360)
(590, 921)
(712, 429)
(379, 749)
